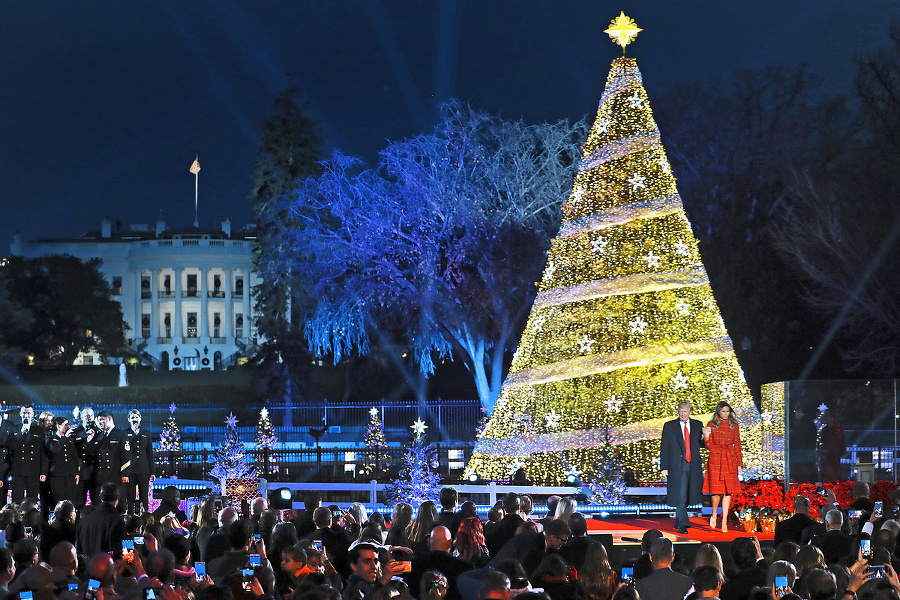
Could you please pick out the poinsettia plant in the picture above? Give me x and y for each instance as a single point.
(757, 495)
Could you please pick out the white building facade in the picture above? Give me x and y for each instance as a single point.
(185, 293)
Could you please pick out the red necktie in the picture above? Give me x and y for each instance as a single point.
(687, 444)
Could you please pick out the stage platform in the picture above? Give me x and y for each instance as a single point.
(633, 528)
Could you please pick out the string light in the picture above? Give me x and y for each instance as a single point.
(625, 325)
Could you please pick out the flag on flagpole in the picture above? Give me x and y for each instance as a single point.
(195, 166)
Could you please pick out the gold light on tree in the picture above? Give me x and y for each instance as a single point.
(625, 325)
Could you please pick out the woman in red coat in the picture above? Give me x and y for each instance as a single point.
(723, 439)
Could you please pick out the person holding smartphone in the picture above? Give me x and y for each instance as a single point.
(834, 543)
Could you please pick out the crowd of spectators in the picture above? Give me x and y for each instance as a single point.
(439, 551)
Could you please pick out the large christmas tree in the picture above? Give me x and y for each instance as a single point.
(170, 437)
(625, 325)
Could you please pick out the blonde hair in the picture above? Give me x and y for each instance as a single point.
(707, 554)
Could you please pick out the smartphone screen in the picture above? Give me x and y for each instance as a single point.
(246, 572)
(254, 560)
(28, 532)
(93, 585)
(26, 595)
(151, 593)
(200, 569)
(317, 544)
(866, 546)
(876, 570)
(627, 574)
(139, 540)
(128, 550)
(73, 587)
(878, 509)
(781, 583)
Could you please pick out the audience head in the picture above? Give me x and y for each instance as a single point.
(494, 586)
(179, 546)
(786, 551)
(227, 516)
(556, 534)
(358, 510)
(860, 489)
(240, 533)
(662, 553)
(25, 553)
(801, 505)
(565, 508)
(708, 555)
(526, 505)
(743, 553)
(322, 517)
(64, 558)
(109, 493)
(820, 584)
(7, 566)
(552, 501)
(449, 498)
(834, 519)
(440, 540)
(293, 558)
(402, 515)
(578, 524)
(102, 568)
(312, 501)
(161, 565)
(808, 557)
(648, 537)
(781, 568)
(511, 503)
(433, 585)
(364, 562)
(707, 578)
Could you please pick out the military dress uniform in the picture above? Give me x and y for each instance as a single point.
(65, 465)
(113, 459)
(6, 430)
(28, 460)
(140, 445)
(88, 467)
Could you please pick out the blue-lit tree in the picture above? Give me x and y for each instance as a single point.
(437, 250)
(230, 457)
(419, 480)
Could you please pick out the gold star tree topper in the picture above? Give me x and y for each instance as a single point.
(622, 30)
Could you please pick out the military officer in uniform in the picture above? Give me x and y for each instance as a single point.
(28, 457)
(107, 446)
(88, 481)
(140, 445)
(65, 464)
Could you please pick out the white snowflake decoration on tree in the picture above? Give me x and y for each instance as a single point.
(603, 125)
(652, 260)
(585, 345)
(637, 182)
(551, 269)
(637, 325)
(664, 165)
(683, 308)
(680, 381)
(598, 245)
(636, 100)
(681, 249)
(552, 419)
(612, 404)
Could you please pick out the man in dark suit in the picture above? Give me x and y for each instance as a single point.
(140, 445)
(108, 448)
(507, 527)
(448, 517)
(681, 464)
(335, 541)
(438, 558)
(575, 550)
(663, 583)
(530, 547)
(303, 522)
(28, 457)
(746, 555)
(791, 530)
(834, 543)
(65, 464)
(103, 529)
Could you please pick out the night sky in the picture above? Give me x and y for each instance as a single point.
(103, 105)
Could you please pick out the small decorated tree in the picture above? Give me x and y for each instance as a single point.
(375, 459)
(266, 440)
(231, 458)
(419, 480)
(607, 483)
(170, 439)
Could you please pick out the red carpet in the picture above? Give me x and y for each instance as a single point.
(699, 531)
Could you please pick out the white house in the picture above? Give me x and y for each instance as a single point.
(185, 293)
